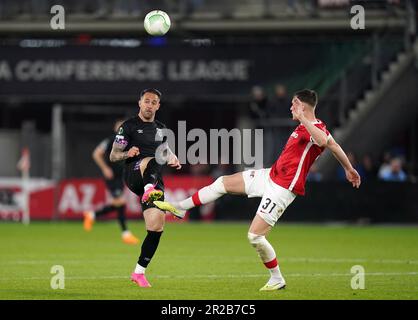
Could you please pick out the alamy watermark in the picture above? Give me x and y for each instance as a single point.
(213, 147)
(358, 21)
(57, 21)
(358, 281)
(58, 280)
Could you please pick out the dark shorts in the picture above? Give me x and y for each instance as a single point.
(134, 182)
(115, 186)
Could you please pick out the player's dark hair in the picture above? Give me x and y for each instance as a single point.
(151, 90)
(307, 96)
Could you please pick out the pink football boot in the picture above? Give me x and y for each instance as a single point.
(140, 280)
(151, 194)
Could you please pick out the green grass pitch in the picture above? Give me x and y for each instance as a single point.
(207, 261)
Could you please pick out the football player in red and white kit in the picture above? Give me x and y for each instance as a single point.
(279, 185)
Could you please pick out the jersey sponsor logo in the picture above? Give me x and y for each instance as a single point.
(140, 131)
(294, 135)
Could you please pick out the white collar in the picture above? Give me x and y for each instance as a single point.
(317, 121)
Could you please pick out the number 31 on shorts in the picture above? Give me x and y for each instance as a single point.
(269, 205)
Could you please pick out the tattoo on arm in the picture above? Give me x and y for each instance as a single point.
(117, 153)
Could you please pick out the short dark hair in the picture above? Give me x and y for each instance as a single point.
(151, 90)
(307, 96)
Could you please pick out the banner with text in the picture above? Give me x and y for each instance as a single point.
(74, 196)
(72, 72)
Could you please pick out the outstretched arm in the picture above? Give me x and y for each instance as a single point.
(173, 161)
(350, 173)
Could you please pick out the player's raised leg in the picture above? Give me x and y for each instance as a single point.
(231, 184)
(150, 170)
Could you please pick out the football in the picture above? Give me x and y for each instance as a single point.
(157, 23)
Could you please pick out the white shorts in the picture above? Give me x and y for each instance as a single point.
(275, 199)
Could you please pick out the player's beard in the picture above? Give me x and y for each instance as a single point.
(148, 114)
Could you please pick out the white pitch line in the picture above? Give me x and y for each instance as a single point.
(289, 259)
(224, 276)
(345, 260)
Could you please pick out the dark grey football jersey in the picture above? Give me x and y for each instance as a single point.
(146, 136)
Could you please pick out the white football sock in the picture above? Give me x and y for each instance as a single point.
(126, 233)
(147, 186)
(205, 195)
(139, 269)
(267, 254)
(275, 276)
(185, 204)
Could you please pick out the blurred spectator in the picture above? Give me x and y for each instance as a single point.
(395, 173)
(258, 104)
(314, 174)
(385, 166)
(277, 133)
(368, 168)
(279, 106)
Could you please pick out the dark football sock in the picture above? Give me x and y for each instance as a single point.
(121, 217)
(148, 248)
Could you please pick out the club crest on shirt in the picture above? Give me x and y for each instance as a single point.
(159, 133)
(294, 135)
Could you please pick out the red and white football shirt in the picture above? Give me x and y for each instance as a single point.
(291, 168)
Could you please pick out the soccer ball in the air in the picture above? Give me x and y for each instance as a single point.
(157, 23)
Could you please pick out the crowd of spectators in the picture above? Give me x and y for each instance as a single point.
(391, 167)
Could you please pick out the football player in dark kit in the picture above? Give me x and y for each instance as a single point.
(137, 143)
(113, 177)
